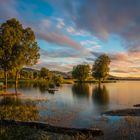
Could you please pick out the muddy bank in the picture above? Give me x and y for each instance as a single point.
(136, 105)
(123, 112)
(53, 129)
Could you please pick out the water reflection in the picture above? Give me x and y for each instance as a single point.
(80, 90)
(85, 100)
(42, 87)
(14, 108)
(100, 95)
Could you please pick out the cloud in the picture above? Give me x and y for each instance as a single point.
(122, 64)
(76, 32)
(91, 44)
(57, 63)
(60, 23)
(44, 29)
(119, 71)
(103, 18)
(99, 18)
(59, 53)
(8, 9)
(59, 39)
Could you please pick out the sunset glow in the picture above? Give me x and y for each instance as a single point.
(71, 32)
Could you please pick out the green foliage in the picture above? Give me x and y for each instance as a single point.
(58, 80)
(81, 72)
(35, 74)
(10, 35)
(44, 73)
(68, 81)
(100, 70)
(24, 74)
(18, 46)
(14, 108)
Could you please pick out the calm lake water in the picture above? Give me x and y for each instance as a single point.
(80, 104)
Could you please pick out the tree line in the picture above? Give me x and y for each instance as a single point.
(19, 48)
(99, 70)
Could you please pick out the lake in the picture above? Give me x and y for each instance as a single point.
(81, 105)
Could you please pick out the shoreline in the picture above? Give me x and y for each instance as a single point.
(134, 111)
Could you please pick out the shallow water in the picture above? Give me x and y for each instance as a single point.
(81, 105)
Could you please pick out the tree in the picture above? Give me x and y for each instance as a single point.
(100, 70)
(44, 73)
(35, 74)
(81, 72)
(24, 74)
(10, 34)
(18, 47)
(58, 80)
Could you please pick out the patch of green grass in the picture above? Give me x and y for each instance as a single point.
(68, 81)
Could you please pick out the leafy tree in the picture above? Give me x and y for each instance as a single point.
(18, 47)
(81, 72)
(44, 73)
(58, 80)
(24, 74)
(10, 34)
(100, 70)
(35, 74)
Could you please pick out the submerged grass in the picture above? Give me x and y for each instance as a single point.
(15, 109)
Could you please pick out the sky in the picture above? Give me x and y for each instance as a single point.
(71, 32)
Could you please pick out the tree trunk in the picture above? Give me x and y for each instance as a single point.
(5, 80)
(99, 81)
(16, 81)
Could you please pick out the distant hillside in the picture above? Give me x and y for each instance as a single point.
(123, 78)
(30, 69)
(69, 75)
(64, 74)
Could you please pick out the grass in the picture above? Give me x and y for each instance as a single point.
(15, 109)
(96, 81)
(26, 133)
(26, 110)
(68, 81)
(65, 81)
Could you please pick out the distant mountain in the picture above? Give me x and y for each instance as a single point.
(30, 69)
(122, 78)
(69, 75)
(64, 74)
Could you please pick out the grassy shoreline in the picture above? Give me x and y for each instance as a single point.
(66, 81)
